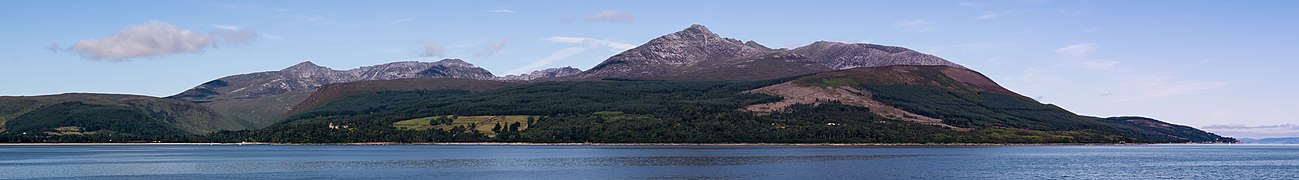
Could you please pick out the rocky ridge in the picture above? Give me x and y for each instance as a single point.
(696, 49)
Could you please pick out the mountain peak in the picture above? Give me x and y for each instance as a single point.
(305, 66)
(755, 44)
(698, 28)
(694, 32)
(455, 63)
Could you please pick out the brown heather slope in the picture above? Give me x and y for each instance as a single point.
(797, 94)
(843, 86)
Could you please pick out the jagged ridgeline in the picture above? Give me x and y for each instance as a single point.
(688, 86)
(265, 98)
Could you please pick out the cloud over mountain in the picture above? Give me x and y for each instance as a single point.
(492, 48)
(430, 49)
(156, 38)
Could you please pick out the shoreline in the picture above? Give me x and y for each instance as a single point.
(629, 144)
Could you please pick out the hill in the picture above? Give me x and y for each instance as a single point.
(130, 114)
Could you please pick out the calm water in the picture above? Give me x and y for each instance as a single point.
(653, 162)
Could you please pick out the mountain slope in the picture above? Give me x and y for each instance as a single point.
(844, 56)
(962, 99)
(266, 97)
(334, 92)
(39, 113)
(958, 97)
(1148, 128)
(543, 74)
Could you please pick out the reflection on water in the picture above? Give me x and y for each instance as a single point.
(634, 162)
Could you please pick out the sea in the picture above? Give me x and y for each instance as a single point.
(229, 161)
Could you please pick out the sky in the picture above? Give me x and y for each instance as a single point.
(1224, 66)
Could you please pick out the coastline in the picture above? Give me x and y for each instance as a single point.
(626, 144)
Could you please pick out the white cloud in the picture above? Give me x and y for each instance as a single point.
(272, 36)
(157, 38)
(430, 49)
(502, 10)
(402, 20)
(1145, 86)
(611, 16)
(988, 15)
(226, 27)
(1130, 84)
(918, 25)
(556, 56)
(591, 42)
(585, 44)
(1078, 55)
(1076, 50)
(54, 47)
(302, 18)
(1098, 64)
(492, 48)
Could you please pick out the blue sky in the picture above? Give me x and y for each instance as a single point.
(1220, 65)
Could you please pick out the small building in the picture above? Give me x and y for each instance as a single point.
(337, 126)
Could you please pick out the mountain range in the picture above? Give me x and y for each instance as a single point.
(688, 86)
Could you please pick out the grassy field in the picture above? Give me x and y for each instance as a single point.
(484, 123)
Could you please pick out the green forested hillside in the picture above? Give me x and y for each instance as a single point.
(189, 117)
(98, 119)
(1147, 128)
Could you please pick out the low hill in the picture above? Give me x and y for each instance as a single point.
(1147, 128)
(36, 114)
(962, 99)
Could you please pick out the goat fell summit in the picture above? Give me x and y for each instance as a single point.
(690, 86)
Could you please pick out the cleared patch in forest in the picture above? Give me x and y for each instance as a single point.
(483, 124)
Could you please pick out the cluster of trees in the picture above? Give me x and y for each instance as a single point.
(441, 120)
(512, 127)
